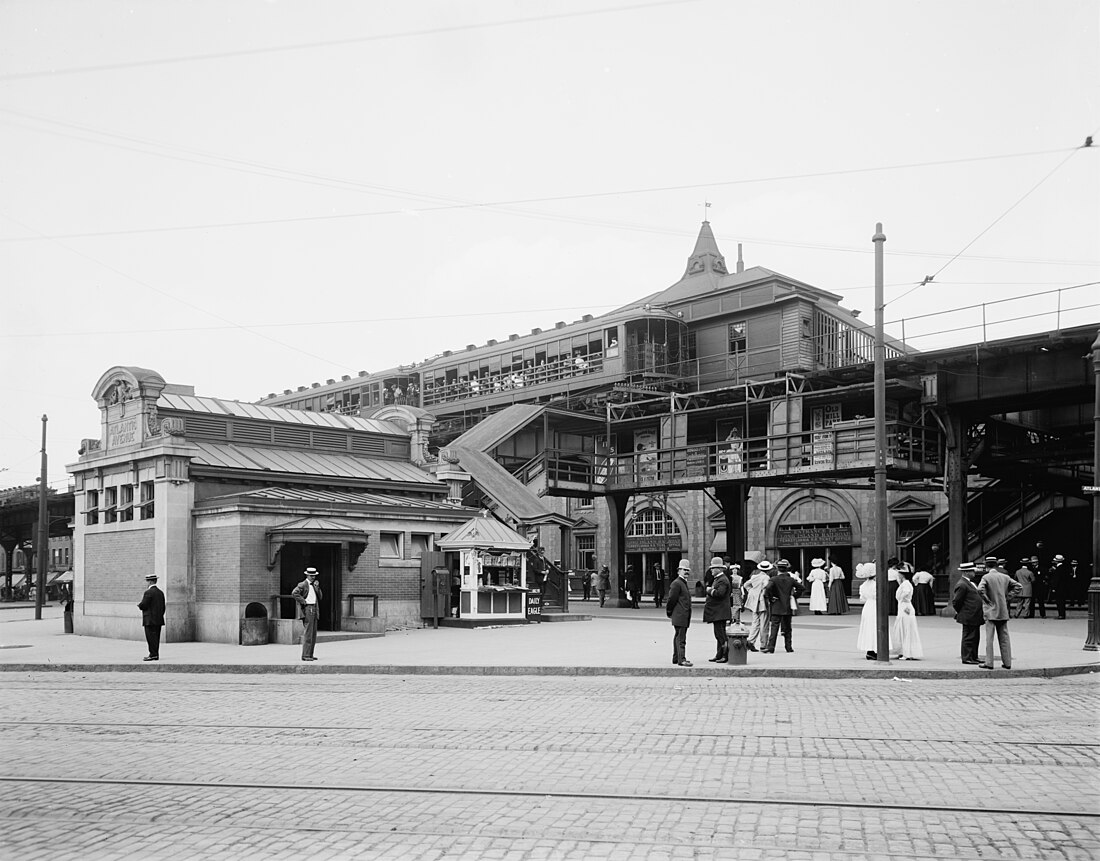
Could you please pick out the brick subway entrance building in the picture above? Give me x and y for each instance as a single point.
(228, 502)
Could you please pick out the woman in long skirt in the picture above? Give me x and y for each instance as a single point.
(817, 579)
(867, 640)
(904, 637)
(838, 599)
(924, 600)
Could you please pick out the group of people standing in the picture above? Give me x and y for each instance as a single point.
(768, 592)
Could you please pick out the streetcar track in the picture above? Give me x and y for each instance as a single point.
(530, 793)
(451, 729)
(509, 835)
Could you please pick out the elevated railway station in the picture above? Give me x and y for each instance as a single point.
(733, 412)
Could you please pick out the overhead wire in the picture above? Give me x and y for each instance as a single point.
(168, 295)
(334, 43)
(928, 279)
(208, 159)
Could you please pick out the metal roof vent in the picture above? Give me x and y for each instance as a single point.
(561, 324)
(513, 337)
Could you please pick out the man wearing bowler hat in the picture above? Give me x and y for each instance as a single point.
(307, 594)
(152, 616)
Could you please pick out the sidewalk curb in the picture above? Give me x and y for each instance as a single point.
(640, 672)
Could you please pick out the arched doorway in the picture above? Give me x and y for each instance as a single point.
(817, 524)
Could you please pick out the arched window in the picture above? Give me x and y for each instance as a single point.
(652, 521)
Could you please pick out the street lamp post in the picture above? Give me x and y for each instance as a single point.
(1092, 641)
(43, 531)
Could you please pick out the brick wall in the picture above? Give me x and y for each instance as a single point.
(115, 563)
(217, 554)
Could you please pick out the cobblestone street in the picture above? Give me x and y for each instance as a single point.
(259, 766)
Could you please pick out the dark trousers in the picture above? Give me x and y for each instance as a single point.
(1038, 602)
(587, 587)
(679, 644)
(720, 637)
(309, 630)
(658, 593)
(972, 635)
(603, 596)
(777, 623)
(152, 637)
(1060, 602)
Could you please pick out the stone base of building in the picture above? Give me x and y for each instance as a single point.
(123, 622)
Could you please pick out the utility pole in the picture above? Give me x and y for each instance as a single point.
(43, 533)
(881, 515)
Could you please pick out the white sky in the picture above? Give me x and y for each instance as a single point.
(382, 144)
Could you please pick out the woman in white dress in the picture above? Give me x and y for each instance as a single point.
(817, 578)
(904, 637)
(867, 640)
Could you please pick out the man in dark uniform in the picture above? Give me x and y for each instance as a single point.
(307, 594)
(152, 617)
(658, 584)
(1061, 583)
(1039, 588)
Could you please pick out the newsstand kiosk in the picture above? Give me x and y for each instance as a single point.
(492, 570)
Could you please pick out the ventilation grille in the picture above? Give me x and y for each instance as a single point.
(368, 445)
(206, 427)
(291, 436)
(398, 449)
(251, 432)
(334, 440)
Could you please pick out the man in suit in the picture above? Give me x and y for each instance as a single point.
(1039, 588)
(755, 604)
(658, 584)
(678, 610)
(1061, 583)
(967, 602)
(717, 609)
(152, 616)
(779, 594)
(1025, 576)
(997, 590)
(307, 594)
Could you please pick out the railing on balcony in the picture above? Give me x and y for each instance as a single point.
(848, 446)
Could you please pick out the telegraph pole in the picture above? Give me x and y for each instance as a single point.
(882, 618)
(43, 533)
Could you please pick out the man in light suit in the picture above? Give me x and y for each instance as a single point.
(996, 589)
(307, 594)
(755, 604)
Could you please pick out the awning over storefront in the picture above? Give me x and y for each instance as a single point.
(718, 545)
(321, 530)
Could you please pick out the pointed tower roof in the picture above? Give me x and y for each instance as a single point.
(706, 258)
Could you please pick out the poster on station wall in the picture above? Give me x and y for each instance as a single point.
(731, 447)
(645, 451)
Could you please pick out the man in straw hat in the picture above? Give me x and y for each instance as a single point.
(717, 609)
(780, 593)
(967, 602)
(757, 606)
(678, 610)
(307, 594)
